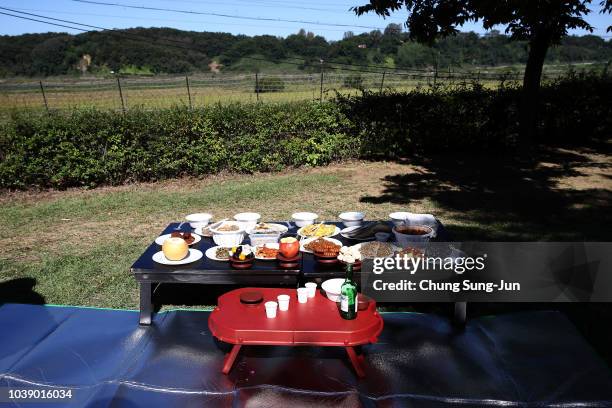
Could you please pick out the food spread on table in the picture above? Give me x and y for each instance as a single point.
(268, 242)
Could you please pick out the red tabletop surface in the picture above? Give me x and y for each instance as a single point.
(317, 322)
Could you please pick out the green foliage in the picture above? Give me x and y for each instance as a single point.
(91, 147)
(58, 53)
(269, 84)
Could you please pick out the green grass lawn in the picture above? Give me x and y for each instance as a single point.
(79, 244)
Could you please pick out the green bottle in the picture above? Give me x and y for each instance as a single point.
(348, 296)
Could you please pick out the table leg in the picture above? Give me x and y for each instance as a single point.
(460, 316)
(356, 361)
(228, 362)
(146, 306)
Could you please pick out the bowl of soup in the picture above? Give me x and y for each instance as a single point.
(405, 234)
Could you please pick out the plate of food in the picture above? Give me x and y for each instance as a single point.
(266, 252)
(376, 249)
(189, 238)
(267, 228)
(192, 256)
(315, 244)
(365, 232)
(318, 230)
(218, 253)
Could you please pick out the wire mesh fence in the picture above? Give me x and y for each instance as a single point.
(118, 93)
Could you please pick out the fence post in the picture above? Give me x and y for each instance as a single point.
(188, 91)
(42, 90)
(382, 81)
(321, 89)
(435, 74)
(120, 94)
(257, 85)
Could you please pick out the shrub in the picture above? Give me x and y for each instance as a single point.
(91, 147)
(269, 84)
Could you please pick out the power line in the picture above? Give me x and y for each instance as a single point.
(224, 15)
(168, 20)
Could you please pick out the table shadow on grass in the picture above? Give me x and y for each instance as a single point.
(20, 290)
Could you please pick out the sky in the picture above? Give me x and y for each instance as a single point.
(333, 16)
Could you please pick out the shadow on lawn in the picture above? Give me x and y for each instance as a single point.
(509, 198)
(20, 290)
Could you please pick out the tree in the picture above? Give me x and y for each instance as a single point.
(541, 23)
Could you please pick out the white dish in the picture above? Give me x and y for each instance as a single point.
(302, 219)
(405, 240)
(211, 254)
(332, 288)
(228, 239)
(344, 231)
(198, 219)
(160, 240)
(352, 218)
(271, 245)
(308, 240)
(280, 228)
(194, 255)
(336, 232)
(247, 219)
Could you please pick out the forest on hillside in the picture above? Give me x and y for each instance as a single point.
(166, 51)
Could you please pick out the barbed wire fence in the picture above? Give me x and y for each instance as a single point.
(125, 92)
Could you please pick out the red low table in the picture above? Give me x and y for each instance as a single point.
(316, 323)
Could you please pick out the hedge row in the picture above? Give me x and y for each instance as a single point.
(90, 147)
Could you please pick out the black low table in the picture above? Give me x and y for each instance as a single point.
(263, 273)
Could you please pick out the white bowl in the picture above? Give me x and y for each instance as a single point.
(198, 219)
(332, 288)
(399, 217)
(302, 219)
(248, 219)
(405, 240)
(352, 218)
(228, 238)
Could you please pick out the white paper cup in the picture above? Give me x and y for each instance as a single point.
(312, 289)
(302, 294)
(283, 302)
(271, 309)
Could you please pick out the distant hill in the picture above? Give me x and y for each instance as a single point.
(166, 50)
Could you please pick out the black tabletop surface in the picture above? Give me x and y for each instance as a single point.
(146, 268)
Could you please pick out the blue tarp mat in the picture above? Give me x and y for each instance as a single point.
(107, 360)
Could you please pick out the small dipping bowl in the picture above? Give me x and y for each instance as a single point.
(352, 218)
(197, 220)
